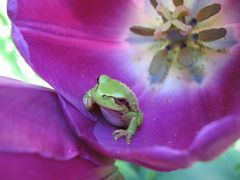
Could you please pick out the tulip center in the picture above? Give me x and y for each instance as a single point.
(180, 33)
(173, 22)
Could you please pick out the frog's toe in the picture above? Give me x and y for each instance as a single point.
(120, 132)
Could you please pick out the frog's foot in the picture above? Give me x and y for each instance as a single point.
(121, 132)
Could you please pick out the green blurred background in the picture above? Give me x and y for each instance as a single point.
(226, 167)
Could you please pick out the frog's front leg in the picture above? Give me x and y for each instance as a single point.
(88, 100)
(135, 121)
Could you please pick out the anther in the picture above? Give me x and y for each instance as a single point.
(212, 34)
(154, 3)
(143, 31)
(180, 11)
(185, 29)
(178, 2)
(163, 11)
(159, 34)
(208, 12)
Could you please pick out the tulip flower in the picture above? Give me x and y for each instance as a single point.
(36, 141)
(180, 58)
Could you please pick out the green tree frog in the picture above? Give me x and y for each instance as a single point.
(118, 104)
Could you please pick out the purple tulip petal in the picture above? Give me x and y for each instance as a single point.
(90, 19)
(74, 71)
(205, 144)
(177, 121)
(192, 134)
(28, 167)
(36, 141)
(229, 13)
(210, 138)
(29, 115)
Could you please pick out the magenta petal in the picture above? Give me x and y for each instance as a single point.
(210, 138)
(230, 13)
(72, 61)
(36, 141)
(32, 121)
(159, 146)
(177, 122)
(29, 167)
(106, 20)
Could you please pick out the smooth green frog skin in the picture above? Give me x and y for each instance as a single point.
(118, 97)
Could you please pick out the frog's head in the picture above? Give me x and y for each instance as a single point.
(112, 88)
(110, 91)
(103, 79)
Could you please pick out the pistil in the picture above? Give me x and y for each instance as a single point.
(172, 19)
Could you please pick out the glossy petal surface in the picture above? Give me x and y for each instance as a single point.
(182, 121)
(30, 167)
(90, 19)
(30, 115)
(36, 142)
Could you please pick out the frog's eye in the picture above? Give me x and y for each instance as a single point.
(120, 101)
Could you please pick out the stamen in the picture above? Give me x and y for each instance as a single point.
(185, 58)
(158, 34)
(183, 27)
(157, 62)
(154, 3)
(164, 27)
(180, 11)
(208, 12)
(185, 47)
(160, 66)
(212, 34)
(178, 2)
(161, 31)
(196, 69)
(163, 11)
(142, 30)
